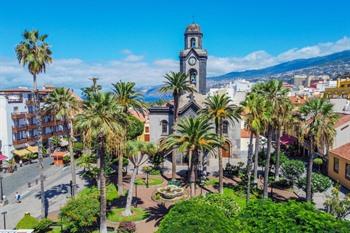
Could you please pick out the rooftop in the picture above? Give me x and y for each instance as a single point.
(342, 151)
(343, 119)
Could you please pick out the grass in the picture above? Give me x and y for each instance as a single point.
(151, 181)
(211, 182)
(115, 215)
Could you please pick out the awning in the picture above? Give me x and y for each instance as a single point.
(2, 157)
(287, 140)
(32, 149)
(21, 152)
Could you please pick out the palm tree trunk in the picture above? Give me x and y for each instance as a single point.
(72, 160)
(173, 155)
(309, 174)
(256, 158)
(249, 166)
(278, 152)
(120, 171)
(127, 211)
(103, 202)
(221, 169)
(192, 174)
(267, 165)
(35, 94)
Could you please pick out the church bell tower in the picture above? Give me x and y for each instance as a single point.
(193, 58)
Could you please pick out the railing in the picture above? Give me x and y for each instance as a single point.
(20, 141)
(19, 128)
(18, 115)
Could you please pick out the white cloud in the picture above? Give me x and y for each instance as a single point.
(75, 72)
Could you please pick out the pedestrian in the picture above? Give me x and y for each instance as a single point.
(18, 197)
(20, 163)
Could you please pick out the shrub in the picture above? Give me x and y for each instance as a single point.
(320, 183)
(81, 213)
(226, 203)
(43, 226)
(293, 169)
(27, 222)
(127, 227)
(196, 215)
(267, 216)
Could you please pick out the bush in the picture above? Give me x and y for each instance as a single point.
(226, 203)
(293, 169)
(43, 226)
(27, 222)
(81, 213)
(66, 159)
(320, 183)
(267, 216)
(127, 227)
(197, 215)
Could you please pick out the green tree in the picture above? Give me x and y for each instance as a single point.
(219, 108)
(64, 105)
(319, 130)
(320, 183)
(177, 84)
(293, 169)
(93, 89)
(128, 98)
(336, 206)
(137, 153)
(256, 115)
(192, 136)
(34, 53)
(99, 121)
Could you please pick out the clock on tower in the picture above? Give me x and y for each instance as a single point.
(193, 58)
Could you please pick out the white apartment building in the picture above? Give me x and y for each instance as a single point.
(18, 126)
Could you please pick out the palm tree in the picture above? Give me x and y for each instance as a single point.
(93, 89)
(282, 120)
(219, 108)
(319, 130)
(193, 136)
(256, 115)
(273, 91)
(34, 52)
(137, 152)
(99, 121)
(65, 105)
(128, 98)
(178, 84)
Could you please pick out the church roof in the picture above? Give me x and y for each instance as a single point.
(193, 28)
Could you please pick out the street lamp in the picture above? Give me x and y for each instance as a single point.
(4, 216)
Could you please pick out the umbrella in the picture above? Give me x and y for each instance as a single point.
(2, 157)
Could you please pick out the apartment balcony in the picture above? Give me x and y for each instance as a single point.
(32, 126)
(30, 114)
(33, 138)
(16, 129)
(19, 141)
(18, 115)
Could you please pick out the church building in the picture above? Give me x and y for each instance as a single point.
(193, 62)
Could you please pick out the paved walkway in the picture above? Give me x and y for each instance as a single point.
(57, 193)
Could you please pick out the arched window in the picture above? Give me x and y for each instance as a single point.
(193, 76)
(164, 125)
(193, 43)
(225, 127)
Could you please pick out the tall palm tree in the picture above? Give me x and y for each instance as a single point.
(282, 120)
(193, 136)
(137, 152)
(128, 98)
(319, 130)
(256, 115)
(66, 106)
(34, 53)
(93, 89)
(219, 108)
(99, 121)
(273, 91)
(177, 84)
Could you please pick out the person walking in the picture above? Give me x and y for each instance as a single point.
(18, 197)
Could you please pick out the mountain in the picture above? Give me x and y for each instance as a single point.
(333, 64)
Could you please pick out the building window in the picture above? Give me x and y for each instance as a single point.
(15, 109)
(193, 43)
(193, 76)
(146, 129)
(347, 171)
(225, 127)
(336, 165)
(164, 125)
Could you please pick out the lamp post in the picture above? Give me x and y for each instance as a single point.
(1, 190)
(4, 217)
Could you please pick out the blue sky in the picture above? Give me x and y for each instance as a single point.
(133, 39)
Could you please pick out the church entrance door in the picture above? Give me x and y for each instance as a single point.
(226, 150)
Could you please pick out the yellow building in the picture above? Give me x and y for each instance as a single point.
(339, 165)
(342, 90)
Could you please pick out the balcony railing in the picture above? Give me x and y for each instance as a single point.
(19, 141)
(18, 115)
(19, 128)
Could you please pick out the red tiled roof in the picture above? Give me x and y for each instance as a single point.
(343, 151)
(297, 99)
(343, 118)
(245, 133)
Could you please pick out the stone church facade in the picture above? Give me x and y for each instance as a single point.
(193, 62)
